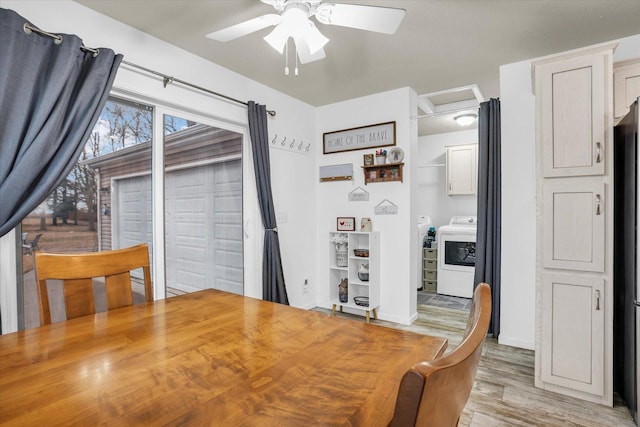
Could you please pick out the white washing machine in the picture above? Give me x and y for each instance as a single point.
(457, 256)
(424, 222)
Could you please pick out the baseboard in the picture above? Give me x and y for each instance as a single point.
(398, 319)
(514, 342)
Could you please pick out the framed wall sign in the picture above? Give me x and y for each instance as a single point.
(345, 223)
(379, 135)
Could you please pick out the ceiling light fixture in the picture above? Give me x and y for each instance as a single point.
(465, 119)
(295, 24)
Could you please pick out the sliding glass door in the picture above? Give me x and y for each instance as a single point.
(182, 195)
(202, 207)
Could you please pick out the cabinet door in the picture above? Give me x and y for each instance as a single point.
(626, 86)
(573, 332)
(573, 224)
(573, 116)
(462, 165)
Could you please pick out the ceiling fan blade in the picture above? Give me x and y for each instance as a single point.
(371, 18)
(304, 53)
(247, 27)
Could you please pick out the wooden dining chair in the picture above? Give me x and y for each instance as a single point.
(78, 271)
(434, 392)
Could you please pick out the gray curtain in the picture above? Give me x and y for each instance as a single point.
(51, 96)
(273, 287)
(489, 210)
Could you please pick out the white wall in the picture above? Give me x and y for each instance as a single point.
(517, 106)
(517, 325)
(292, 175)
(431, 192)
(398, 266)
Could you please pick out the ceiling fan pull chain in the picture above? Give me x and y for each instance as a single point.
(286, 58)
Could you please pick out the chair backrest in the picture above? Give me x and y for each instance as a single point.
(77, 272)
(434, 393)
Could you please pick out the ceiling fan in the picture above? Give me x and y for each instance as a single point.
(292, 21)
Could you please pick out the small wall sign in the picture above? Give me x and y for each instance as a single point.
(386, 207)
(359, 195)
(345, 223)
(379, 135)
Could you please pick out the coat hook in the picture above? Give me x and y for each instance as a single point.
(300, 146)
(308, 146)
(292, 142)
(273, 141)
(282, 143)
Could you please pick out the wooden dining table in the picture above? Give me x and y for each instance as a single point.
(207, 358)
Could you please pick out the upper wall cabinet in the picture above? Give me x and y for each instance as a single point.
(462, 169)
(626, 86)
(573, 116)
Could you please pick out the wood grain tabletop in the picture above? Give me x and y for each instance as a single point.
(206, 358)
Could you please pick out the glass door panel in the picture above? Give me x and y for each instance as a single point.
(104, 203)
(203, 207)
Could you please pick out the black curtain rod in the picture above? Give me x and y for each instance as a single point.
(166, 79)
(169, 79)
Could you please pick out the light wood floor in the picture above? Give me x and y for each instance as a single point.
(503, 394)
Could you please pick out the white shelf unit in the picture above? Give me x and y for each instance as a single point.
(356, 287)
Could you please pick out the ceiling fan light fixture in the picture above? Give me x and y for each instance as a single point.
(315, 39)
(465, 119)
(277, 38)
(296, 24)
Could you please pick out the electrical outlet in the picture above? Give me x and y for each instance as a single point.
(305, 287)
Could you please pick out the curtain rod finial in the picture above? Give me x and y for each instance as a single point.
(272, 113)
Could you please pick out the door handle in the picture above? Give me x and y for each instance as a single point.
(598, 204)
(597, 300)
(598, 152)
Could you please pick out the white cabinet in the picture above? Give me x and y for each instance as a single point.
(626, 86)
(572, 114)
(574, 228)
(359, 286)
(462, 169)
(573, 325)
(573, 225)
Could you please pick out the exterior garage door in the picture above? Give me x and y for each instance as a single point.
(203, 225)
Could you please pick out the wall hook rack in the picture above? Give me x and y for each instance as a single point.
(294, 146)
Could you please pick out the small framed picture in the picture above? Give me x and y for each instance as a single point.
(368, 159)
(345, 223)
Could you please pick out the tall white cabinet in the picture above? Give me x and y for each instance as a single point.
(574, 289)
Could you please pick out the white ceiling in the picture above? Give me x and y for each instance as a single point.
(439, 45)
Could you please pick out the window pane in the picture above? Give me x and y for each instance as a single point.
(203, 207)
(84, 214)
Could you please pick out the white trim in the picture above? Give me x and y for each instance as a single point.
(515, 342)
(8, 293)
(157, 204)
